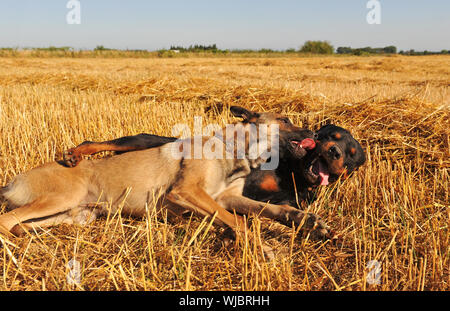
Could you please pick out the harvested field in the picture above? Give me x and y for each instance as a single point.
(394, 210)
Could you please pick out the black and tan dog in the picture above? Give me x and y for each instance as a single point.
(336, 155)
(53, 193)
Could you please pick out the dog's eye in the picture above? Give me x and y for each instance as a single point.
(352, 152)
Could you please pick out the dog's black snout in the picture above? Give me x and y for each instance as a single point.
(315, 136)
(335, 153)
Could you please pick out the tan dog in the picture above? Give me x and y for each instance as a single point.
(54, 194)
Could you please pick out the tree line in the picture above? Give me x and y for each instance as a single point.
(309, 47)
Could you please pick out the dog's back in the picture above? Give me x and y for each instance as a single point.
(102, 179)
(145, 173)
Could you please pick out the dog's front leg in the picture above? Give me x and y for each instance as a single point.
(284, 214)
(196, 200)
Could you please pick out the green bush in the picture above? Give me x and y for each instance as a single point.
(317, 47)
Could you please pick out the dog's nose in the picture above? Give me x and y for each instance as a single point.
(334, 152)
(315, 136)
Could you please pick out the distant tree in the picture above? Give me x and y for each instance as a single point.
(367, 49)
(390, 49)
(376, 50)
(265, 51)
(177, 48)
(195, 48)
(344, 50)
(100, 48)
(363, 51)
(317, 47)
(54, 48)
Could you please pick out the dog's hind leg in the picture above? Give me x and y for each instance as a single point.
(80, 215)
(42, 207)
(120, 145)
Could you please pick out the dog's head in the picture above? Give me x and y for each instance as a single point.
(294, 141)
(336, 154)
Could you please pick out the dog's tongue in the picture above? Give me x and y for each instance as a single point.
(324, 174)
(308, 144)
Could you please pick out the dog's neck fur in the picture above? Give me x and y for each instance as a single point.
(241, 134)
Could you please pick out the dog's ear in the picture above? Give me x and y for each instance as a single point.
(243, 113)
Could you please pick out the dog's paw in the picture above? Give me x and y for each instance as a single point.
(314, 225)
(320, 230)
(18, 231)
(72, 157)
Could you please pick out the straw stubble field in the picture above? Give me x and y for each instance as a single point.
(395, 210)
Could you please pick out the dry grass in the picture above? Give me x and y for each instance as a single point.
(395, 210)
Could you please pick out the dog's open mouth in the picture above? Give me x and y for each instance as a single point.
(318, 171)
(300, 147)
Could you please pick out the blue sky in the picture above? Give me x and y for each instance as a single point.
(282, 24)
